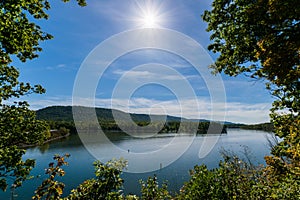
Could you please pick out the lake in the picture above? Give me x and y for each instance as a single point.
(176, 172)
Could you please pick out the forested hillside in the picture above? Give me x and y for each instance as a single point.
(64, 113)
(62, 116)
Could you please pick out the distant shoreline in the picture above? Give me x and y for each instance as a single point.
(45, 142)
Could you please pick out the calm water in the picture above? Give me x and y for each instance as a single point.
(80, 163)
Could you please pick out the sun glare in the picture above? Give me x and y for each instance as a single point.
(150, 21)
(149, 14)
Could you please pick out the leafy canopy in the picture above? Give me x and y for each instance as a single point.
(20, 38)
(261, 39)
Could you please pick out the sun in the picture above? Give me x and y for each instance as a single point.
(149, 20)
(148, 14)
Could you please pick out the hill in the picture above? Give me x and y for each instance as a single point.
(64, 113)
(62, 116)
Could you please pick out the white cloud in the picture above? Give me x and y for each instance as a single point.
(149, 75)
(59, 66)
(50, 101)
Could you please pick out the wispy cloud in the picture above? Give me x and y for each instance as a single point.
(150, 75)
(59, 66)
(36, 104)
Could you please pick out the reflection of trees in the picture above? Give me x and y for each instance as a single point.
(44, 148)
(168, 127)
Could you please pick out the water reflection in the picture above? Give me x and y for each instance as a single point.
(80, 163)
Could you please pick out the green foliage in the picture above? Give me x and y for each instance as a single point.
(234, 179)
(258, 37)
(80, 2)
(262, 39)
(20, 38)
(130, 197)
(63, 131)
(50, 188)
(18, 127)
(279, 187)
(151, 190)
(12, 166)
(269, 127)
(106, 185)
(202, 185)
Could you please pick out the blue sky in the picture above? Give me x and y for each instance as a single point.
(77, 31)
